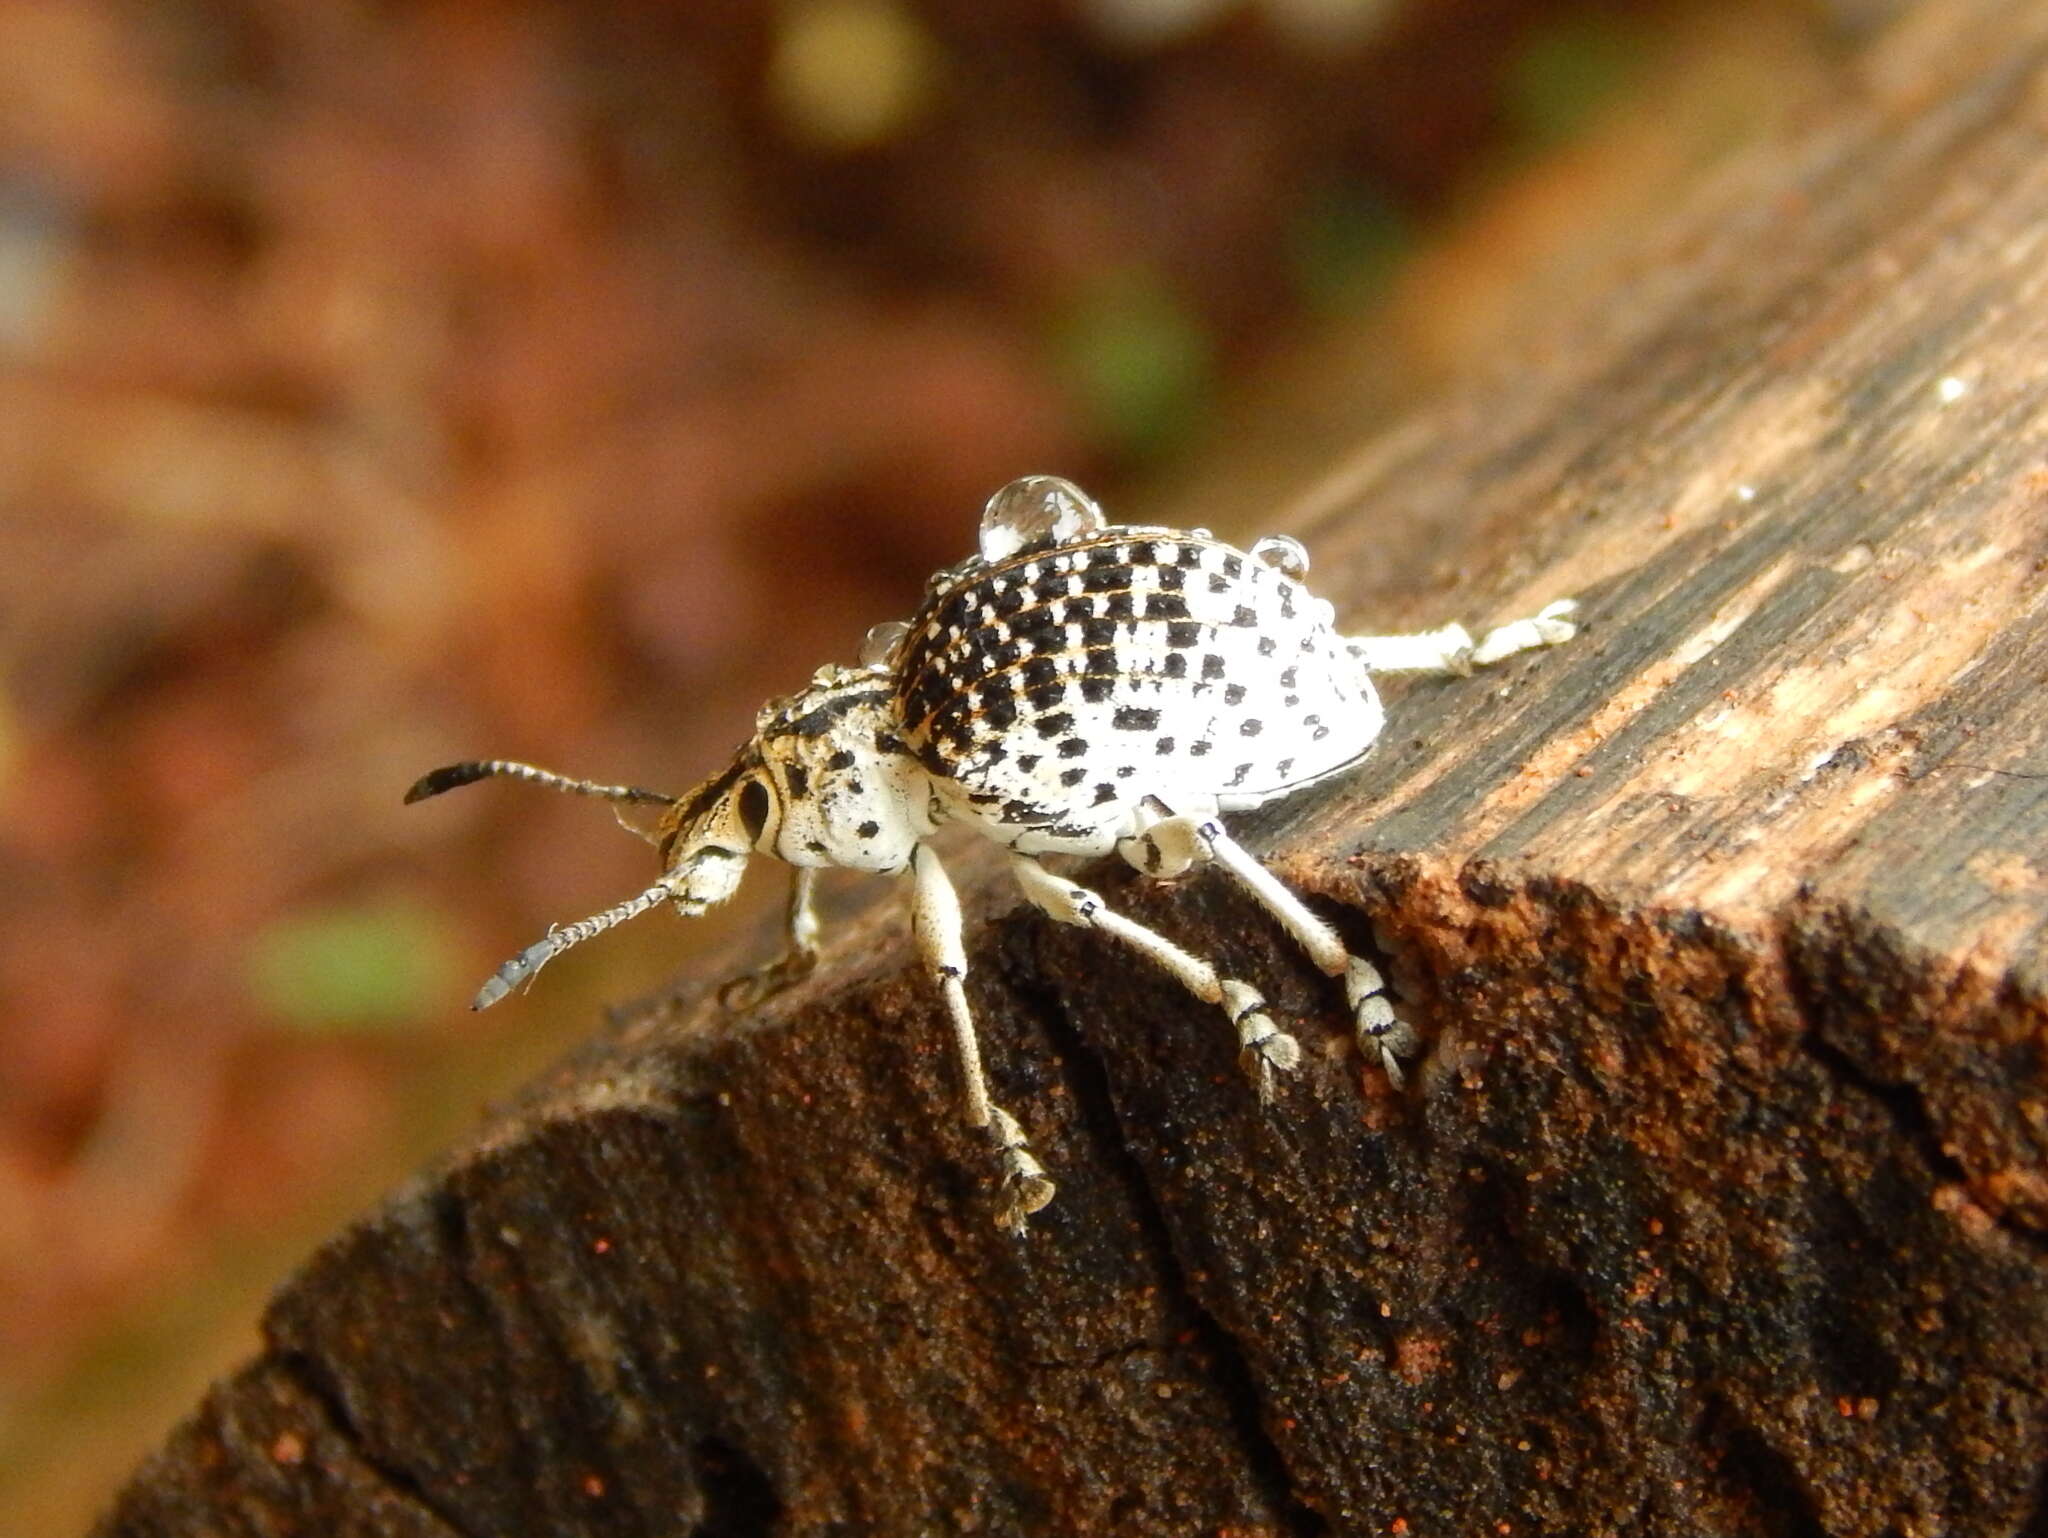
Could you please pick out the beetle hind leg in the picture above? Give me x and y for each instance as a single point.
(1452, 650)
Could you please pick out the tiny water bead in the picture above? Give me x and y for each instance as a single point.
(881, 642)
(1284, 554)
(1036, 510)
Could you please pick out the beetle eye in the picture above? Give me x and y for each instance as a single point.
(754, 808)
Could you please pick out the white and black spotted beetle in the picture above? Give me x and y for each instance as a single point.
(1074, 688)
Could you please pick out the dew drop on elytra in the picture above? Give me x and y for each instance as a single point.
(1036, 510)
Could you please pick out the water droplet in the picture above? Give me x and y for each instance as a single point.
(1036, 510)
(881, 643)
(1283, 554)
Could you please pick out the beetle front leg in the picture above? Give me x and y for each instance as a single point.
(793, 965)
(935, 922)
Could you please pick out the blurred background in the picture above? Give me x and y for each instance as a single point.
(382, 385)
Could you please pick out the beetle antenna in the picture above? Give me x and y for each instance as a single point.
(492, 768)
(537, 955)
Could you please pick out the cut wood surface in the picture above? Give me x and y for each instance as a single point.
(1718, 1203)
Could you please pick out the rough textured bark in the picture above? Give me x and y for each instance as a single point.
(1718, 1204)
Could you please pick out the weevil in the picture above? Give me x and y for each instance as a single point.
(1074, 688)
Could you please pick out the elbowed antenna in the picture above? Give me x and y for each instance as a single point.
(541, 952)
(468, 773)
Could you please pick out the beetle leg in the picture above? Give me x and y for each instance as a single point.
(1552, 625)
(795, 964)
(1452, 649)
(1262, 1046)
(1168, 845)
(935, 922)
(1381, 1033)
(1184, 840)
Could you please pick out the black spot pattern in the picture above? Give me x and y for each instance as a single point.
(1119, 660)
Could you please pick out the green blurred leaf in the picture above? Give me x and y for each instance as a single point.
(1346, 241)
(1138, 360)
(371, 966)
(1570, 65)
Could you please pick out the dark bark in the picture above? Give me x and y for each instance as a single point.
(1718, 1204)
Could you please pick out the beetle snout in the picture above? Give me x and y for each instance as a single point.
(706, 877)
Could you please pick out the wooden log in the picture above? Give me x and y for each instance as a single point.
(1718, 1204)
